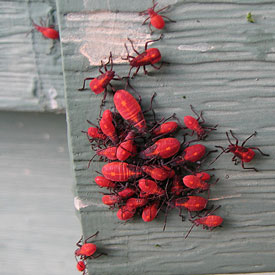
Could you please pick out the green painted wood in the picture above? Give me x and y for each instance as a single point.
(31, 77)
(38, 226)
(221, 64)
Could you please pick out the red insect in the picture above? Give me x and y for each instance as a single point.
(95, 133)
(194, 182)
(81, 266)
(100, 83)
(177, 186)
(148, 57)
(86, 250)
(158, 173)
(126, 193)
(163, 148)
(129, 109)
(156, 20)
(192, 203)
(245, 154)
(150, 187)
(127, 148)
(121, 171)
(125, 213)
(110, 199)
(48, 32)
(193, 153)
(150, 212)
(166, 128)
(107, 126)
(109, 153)
(203, 176)
(196, 126)
(103, 182)
(209, 221)
(136, 202)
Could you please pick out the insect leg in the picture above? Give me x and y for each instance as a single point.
(262, 153)
(88, 78)
(244, 142)
(249, 168)
(146, 44)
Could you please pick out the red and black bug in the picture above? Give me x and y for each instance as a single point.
(87, 250)
(126, 212)
(163, 148)
(103, 182)
(47, 32)
(150, 212)
(208, 221)
(110, 199)
(166, 128)
(156, 19)
(148, 57)
(100, 83)
(194, 182)
(121, 171)
(127, 148)
(81, 266)
(244, 154)
(158, 173)
(196, 126)
(129, 109)
(107, 126)
(191, 203)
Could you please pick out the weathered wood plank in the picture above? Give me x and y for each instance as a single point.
(221, 64)
(31, 77)
(38, 226)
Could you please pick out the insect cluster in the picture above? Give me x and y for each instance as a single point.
(148, 167)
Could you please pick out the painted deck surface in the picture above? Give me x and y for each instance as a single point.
(31, 77)
(218, 62)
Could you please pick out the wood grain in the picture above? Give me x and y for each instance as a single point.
(31, 77)
(38, 226)
(218, 62)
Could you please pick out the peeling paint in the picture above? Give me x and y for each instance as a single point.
(79, 203)
(94, 27)
(52, 94)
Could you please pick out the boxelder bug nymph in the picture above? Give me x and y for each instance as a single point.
(127, 148)
(148, 57)
(121, 171)
(196, 126)
(81, 266)
(125, 212)
(166, 128)
(129, 109)
(86, 250)
(48, 32)
(245, 154)
(191, 203)
(110, 199)
(107, 126)
(156, 20)
(209, 221)
(103, 182)
(163, 148)
(158, 173)
(150, 212)
(100, 83)
(194, 182)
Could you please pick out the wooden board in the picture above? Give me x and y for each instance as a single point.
(218, 62)
(31, 77)
(38, 226)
